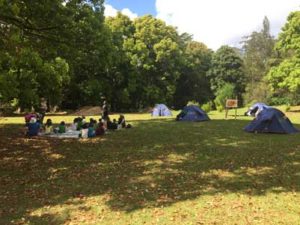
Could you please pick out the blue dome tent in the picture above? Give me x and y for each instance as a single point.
(161, 110)
(271, 120)
(192, 113)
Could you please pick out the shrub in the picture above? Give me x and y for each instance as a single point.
(274, 100)
(227, 91)
(220, 108)
(207, 107)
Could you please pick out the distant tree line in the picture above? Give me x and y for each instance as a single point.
(69, 54)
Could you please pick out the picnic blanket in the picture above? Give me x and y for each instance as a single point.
(68, 134)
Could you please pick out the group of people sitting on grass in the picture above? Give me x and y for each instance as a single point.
(85, 129)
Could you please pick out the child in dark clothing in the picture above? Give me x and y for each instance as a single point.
(121, 122)
(100, 129)
(111, 125)
(91, 121)
(79, 123)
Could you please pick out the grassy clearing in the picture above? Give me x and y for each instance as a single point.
(159, 172)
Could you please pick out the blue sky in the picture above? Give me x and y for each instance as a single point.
(212, 22)
(140, 7)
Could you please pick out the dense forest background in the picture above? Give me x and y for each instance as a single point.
(68, 54)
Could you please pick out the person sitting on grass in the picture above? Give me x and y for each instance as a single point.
(95, 124)
(84, 130)
(48, 127)
(100, 129)
(40, 118)
(91, 130)
(104, 122)
(181, 115)
(121, 122)
(28, 117)
(73, 126)
(33, 127)
(62, 127)
(79, 123)
(111, 125)
(91, 121)
(115, 123)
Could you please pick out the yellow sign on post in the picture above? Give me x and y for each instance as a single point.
(231, 104)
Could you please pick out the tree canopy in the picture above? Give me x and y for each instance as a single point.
(227, 67)
(68, 53)
(258, 50)
(284, 76)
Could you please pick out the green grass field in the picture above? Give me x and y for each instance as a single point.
(158, 172)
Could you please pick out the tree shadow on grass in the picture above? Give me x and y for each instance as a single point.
(157, 163)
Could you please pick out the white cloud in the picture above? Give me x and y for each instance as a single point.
(218, 22)
(111, 11)
(128, 13)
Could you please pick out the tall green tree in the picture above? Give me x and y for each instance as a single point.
(53, 80)
(120, 74)
(8, 79)
(284, 76)
(227, 67)
(193, 83)
(87, 53)
(70, 30)
(155, 54)
(258, 49)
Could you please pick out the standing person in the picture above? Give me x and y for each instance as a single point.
(104, 110)
(105, 113)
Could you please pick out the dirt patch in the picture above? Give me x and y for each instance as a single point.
(88, 111)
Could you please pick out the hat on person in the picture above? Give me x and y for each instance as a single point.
(32, 120)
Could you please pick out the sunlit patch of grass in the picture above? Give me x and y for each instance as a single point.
(158, 172)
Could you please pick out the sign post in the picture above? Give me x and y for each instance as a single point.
(231, 104)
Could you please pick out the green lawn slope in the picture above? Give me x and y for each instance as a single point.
(159, 172)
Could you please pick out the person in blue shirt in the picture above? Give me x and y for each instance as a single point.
(33, 127)
(91, 130)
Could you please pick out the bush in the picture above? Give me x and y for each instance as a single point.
(256, 92)
(207, 107)
(278, 100)
(220, 108)
(227, 91)
(285, 99)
